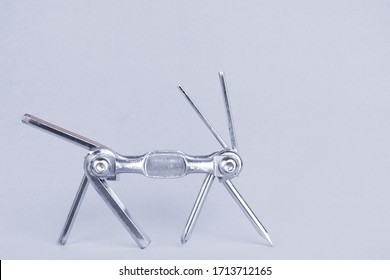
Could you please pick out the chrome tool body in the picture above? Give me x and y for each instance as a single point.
(102, 164)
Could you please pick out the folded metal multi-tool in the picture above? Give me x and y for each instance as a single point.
(102, 163)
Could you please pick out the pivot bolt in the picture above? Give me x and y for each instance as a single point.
(228, 165)
(101, 166)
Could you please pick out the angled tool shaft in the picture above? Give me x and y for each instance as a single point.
(208, 181)
(61, 132)
(120, 211)
(228, 111)
(73, 211)
(247, 210)
(204, 119)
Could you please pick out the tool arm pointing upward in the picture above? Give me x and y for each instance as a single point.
(61, 132)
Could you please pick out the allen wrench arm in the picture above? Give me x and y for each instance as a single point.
(120, 211)
(61, 132)
(75, 139)
(74, 209)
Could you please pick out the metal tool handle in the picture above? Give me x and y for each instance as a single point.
(165, 164)
(106, 164)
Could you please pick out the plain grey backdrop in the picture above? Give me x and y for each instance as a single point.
(309, 86)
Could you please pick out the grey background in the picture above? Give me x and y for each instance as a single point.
(309, 85)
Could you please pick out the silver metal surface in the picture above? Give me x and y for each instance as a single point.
(117, 207)
(73, 211)
(247, 210)
(106, 164)
(204, 119)
(188, 229)
(103, 164)
(229, 165)
(228, 111)
(61, 132)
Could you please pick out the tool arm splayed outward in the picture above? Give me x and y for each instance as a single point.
(229, 165)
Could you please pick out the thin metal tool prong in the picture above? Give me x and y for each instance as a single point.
(204, 119)
(228, 111)
(208, 181)
(120, 211)
(246, 209)
(73, 211)
(61, 132)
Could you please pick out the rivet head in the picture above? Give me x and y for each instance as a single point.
(228, 165)
(100, 166)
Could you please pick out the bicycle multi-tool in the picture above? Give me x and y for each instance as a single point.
(102, 164)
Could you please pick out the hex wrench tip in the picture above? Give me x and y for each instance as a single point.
(144, 243)
(26, 118)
